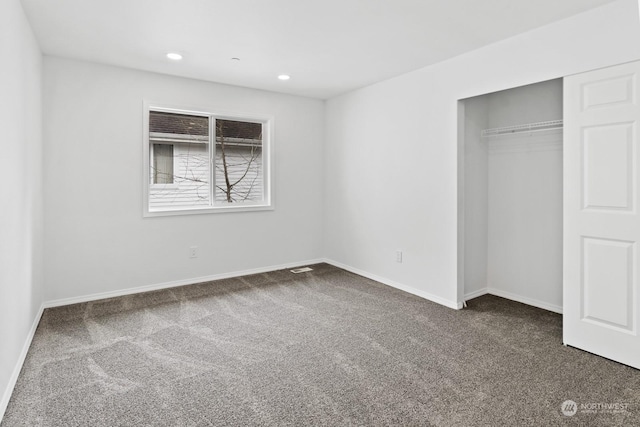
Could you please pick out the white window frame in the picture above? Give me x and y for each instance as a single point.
(213, 207)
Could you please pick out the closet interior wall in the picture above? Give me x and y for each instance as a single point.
(513, 197)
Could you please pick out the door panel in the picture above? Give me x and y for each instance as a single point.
(608, 92)
(601, 289)
(607, 279)
(608, 176)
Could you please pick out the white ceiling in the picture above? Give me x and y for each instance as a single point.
(328, 47)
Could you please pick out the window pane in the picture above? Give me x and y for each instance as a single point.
(162, 164)
(185, 165)
(238, 161)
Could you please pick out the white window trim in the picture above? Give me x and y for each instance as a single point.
(267, 163)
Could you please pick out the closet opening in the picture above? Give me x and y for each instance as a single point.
(510, 195)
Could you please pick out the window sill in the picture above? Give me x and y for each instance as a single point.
(205, 210)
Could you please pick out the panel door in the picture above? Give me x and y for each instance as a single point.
(601, 288)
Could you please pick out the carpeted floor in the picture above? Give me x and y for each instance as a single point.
(321, 348)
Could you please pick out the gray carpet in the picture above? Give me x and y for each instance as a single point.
(321, 348)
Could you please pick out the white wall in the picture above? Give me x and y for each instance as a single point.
(476, 194)
(512, 204)
(96, 239)
(525, 220)
(525, 197)
(379, 198)
(526, 104)
(21, 190)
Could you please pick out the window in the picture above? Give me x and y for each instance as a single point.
(162, 164)
(198, 162)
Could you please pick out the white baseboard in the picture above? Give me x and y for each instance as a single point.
(6, 396)
(476, 294)
(175, 283)
(525, 300)
(394, 284)
(514, 297)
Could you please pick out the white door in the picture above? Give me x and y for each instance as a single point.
(601, 291)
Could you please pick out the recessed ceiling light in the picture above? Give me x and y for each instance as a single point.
(284, 77)
(174, 56)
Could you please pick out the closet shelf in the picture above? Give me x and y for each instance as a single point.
(526, 128)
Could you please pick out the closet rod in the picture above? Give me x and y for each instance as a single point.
(529, 127)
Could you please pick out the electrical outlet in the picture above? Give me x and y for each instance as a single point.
(193, 252)
(398, 256)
